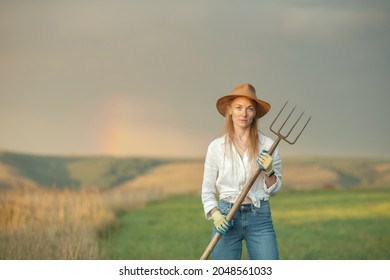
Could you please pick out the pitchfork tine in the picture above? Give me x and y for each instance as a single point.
(292, 111)
(294, 125)
(284, 137)
(277, 118)
(293, 142)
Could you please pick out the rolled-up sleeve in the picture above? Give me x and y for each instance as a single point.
(277, 165)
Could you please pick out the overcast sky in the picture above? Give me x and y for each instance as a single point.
(142, 77)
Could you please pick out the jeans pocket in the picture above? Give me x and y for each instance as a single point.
(224, 207)
(264, 210)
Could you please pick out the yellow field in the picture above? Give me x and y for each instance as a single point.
(171, 178)
(51, 224)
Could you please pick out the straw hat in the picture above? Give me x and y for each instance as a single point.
(243, 90)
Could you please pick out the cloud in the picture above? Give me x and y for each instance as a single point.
(113, 76)
(335, 25)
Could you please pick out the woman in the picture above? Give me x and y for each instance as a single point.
(230, 162)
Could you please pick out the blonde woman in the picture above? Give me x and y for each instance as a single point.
(230, 161)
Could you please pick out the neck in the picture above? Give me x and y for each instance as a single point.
(241, 133)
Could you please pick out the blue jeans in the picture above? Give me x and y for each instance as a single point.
(252, 224)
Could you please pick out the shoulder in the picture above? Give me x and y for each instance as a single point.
(217, 143)
(265, 141)
(217, 146)
(215, 149)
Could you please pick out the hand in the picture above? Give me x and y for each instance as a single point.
(220, 222)
(264, 161)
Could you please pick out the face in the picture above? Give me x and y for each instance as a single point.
(243, 111)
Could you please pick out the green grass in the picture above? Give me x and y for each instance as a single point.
(173, 229)
(349, 224)
(333, 224)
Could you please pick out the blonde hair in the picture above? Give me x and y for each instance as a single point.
(253, 148)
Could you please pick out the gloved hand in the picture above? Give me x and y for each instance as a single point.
(220, 222)
(264, 161)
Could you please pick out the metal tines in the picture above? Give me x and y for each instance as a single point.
(284, 137)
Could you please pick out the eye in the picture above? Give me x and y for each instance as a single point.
(238, 107)
(250, 109)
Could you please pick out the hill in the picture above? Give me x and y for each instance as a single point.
(336, 172)
(17, 170)
(174, 175)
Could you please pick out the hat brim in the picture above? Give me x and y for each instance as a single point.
(223, 102)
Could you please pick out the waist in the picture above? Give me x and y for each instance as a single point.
(247, 200)
(223, 204)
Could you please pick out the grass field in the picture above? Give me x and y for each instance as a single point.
(52, 224)
(322, 224)
(94, 208)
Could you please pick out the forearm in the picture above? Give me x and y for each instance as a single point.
(270, 181)
(212, 211)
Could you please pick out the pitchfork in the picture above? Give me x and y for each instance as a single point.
(251, 181)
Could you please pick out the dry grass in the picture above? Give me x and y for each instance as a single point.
(52, 224)
(308, 177)
(164, 181)
(38, 223)
(170, 179)
(383, 170)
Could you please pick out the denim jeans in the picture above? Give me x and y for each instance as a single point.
(252, 224)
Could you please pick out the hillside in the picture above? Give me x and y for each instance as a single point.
(176, 176)
(17, 170)
(335, 173)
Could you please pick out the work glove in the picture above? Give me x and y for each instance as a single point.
(264, 161)
(220, 222)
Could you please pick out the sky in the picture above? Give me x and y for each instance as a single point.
(141, 78)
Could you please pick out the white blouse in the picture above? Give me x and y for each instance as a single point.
(226, 172)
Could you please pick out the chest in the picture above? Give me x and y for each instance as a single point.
(241, 149)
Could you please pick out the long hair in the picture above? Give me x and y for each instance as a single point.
(253, 148)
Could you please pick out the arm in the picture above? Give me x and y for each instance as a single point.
(272, 167)
(209, 190)
(270, 181)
